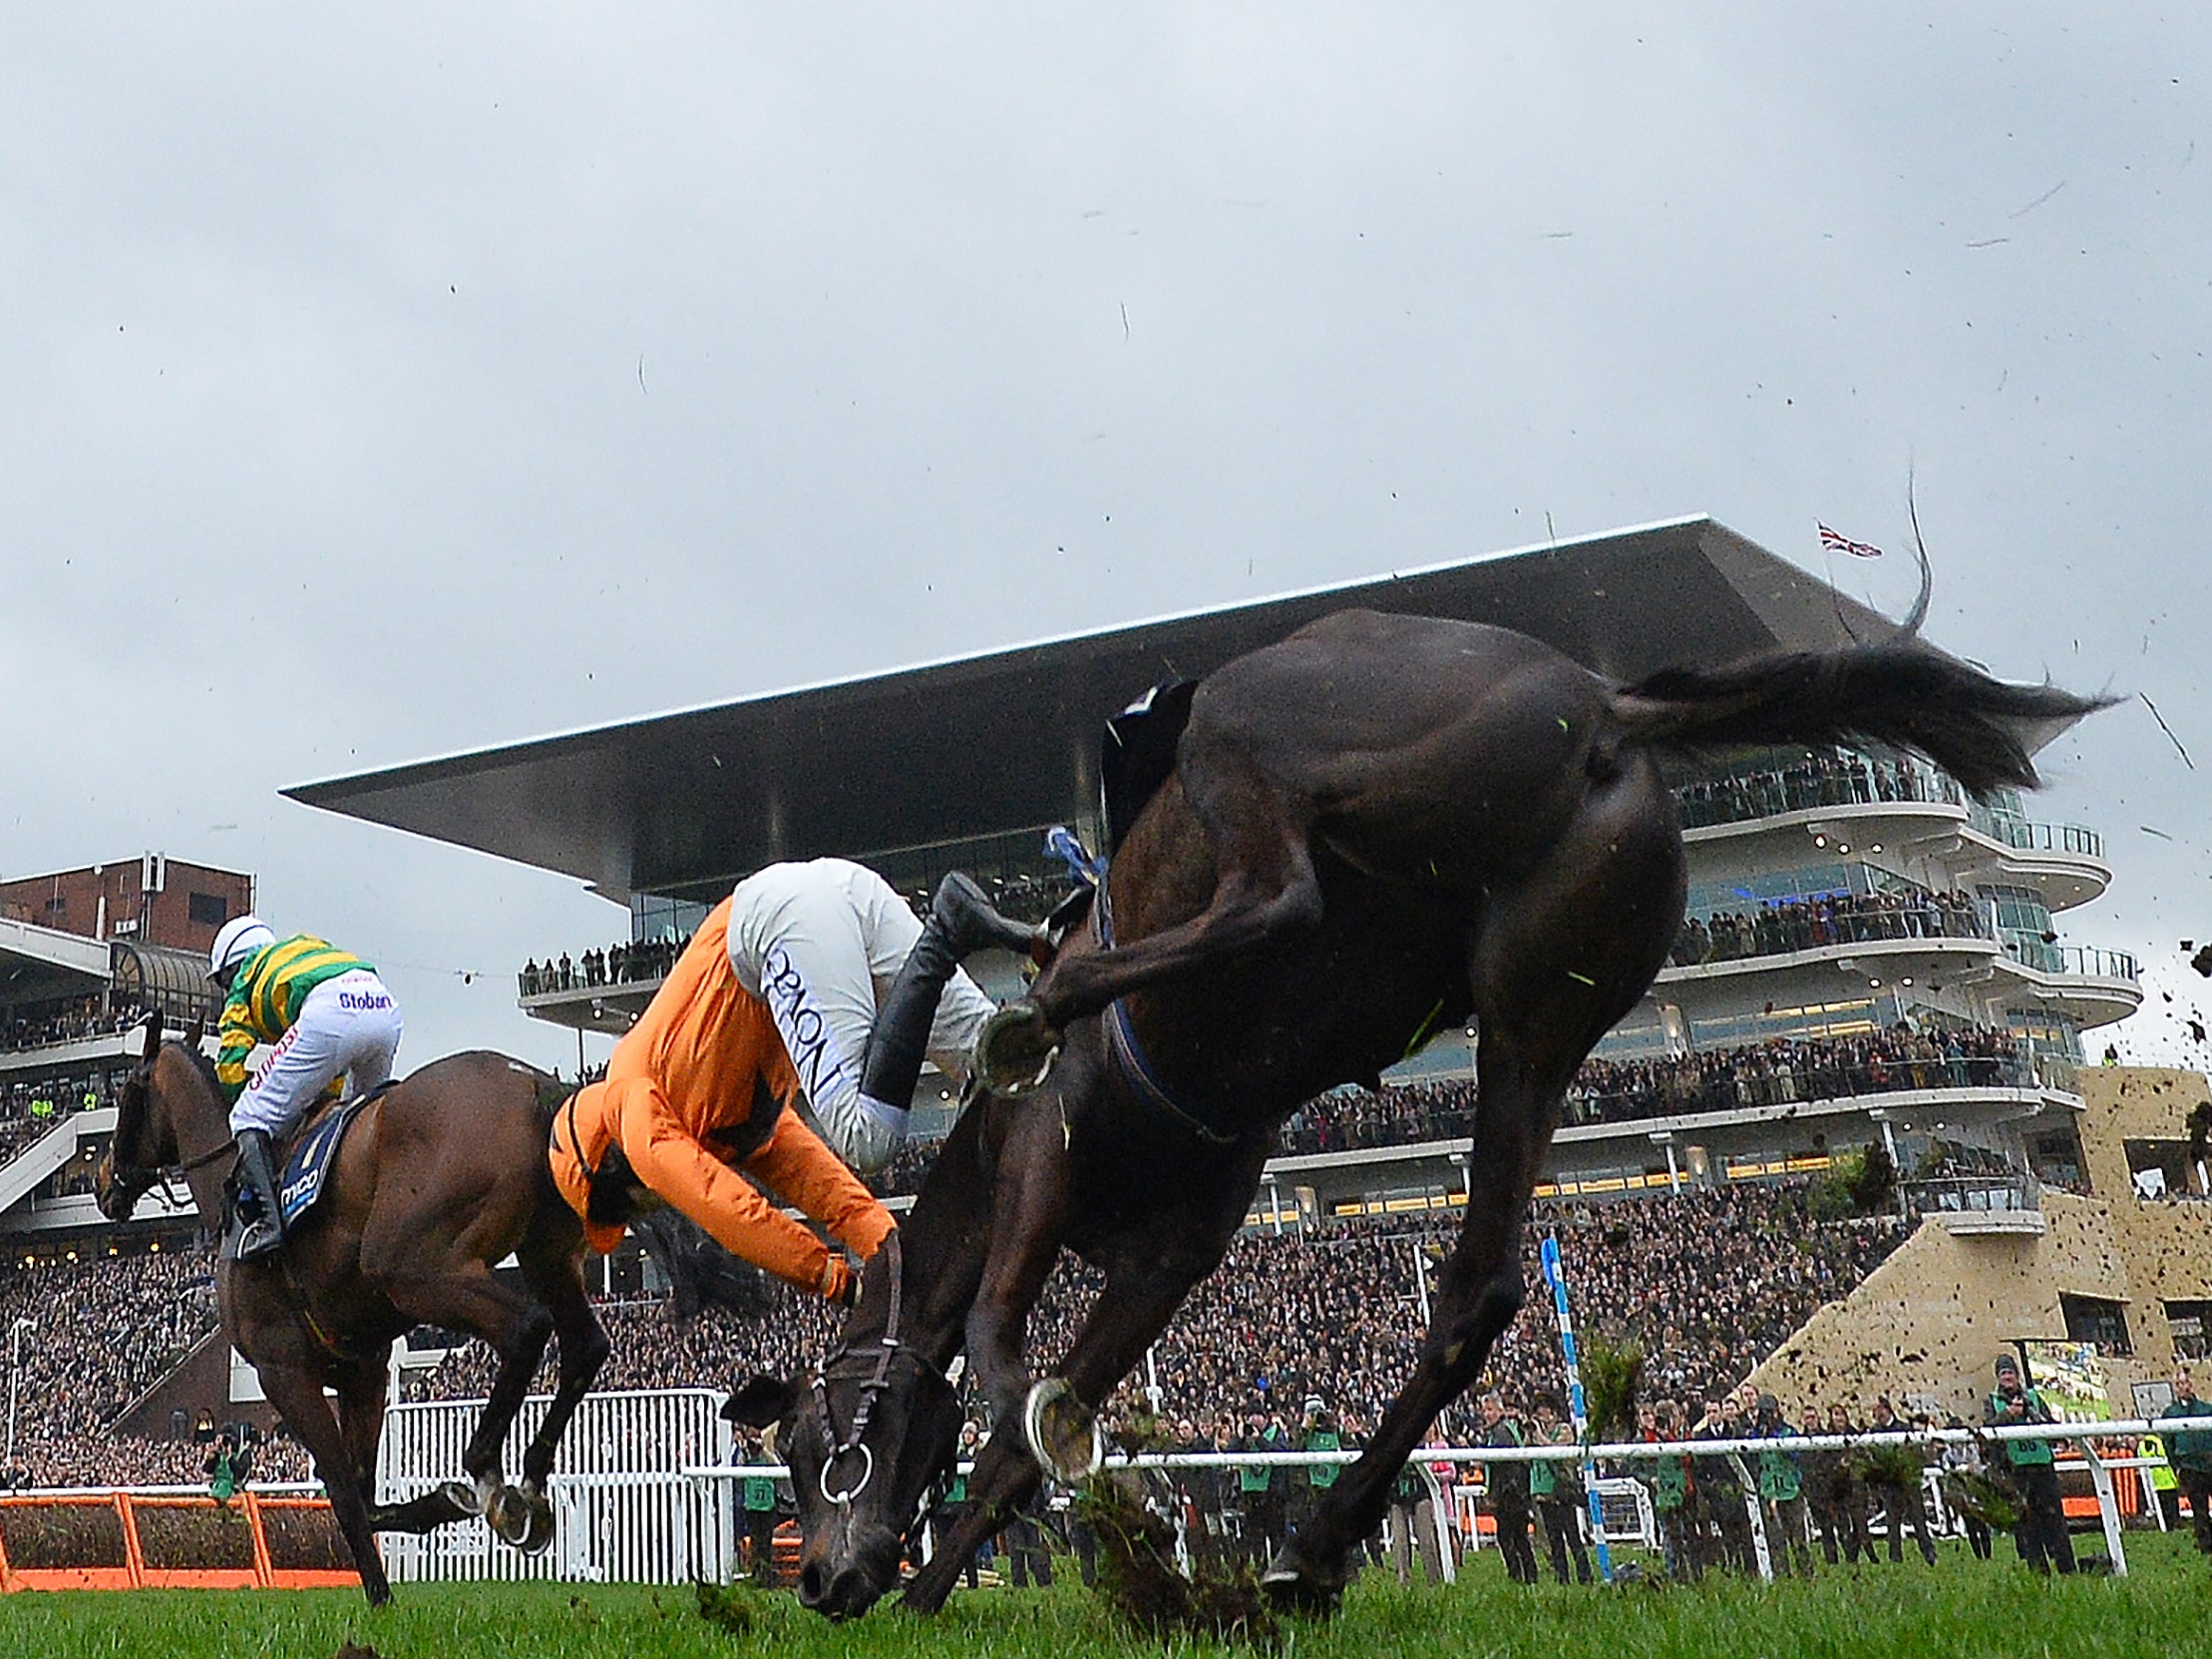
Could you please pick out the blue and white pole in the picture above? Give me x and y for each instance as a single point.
(1576, 1408)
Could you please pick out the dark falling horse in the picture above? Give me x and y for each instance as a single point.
(439, 1178)
(1377, 826)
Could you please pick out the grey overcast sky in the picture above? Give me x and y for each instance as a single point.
(380, 382)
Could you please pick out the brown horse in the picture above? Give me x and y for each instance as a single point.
(1378, 827)
(439, 1178)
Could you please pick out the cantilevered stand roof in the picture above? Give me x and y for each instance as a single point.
(1009, 739)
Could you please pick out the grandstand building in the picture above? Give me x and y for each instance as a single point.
(84, 954)
(1853, 901)
(1869, 960)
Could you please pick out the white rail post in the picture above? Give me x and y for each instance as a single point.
(2107, 1508)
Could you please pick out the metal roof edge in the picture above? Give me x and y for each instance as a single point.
(326, 792)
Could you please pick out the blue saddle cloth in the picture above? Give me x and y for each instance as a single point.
(315, 1153)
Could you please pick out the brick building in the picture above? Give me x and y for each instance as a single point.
(152, 900)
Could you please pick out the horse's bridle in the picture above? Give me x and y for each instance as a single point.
(147, 1176)
(889, 1347)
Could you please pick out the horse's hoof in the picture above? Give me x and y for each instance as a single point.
(538, 1538)
(1297, 1587)
(1015, 1050)
(1062, 1437)
(510, 1517)
(465, 1499)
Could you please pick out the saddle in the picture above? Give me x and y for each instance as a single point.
(305, 1160)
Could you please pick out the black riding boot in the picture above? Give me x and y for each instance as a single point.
(257, 1174)
(961, 922)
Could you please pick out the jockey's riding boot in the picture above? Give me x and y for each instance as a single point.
(257, 1164)
(965, 921)
(961, 922)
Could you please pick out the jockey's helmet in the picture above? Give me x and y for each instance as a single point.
(240, 936)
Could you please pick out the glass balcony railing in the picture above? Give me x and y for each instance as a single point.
(1839, 780)
(2034, 837)
(2083, 962)
(1975, 1194)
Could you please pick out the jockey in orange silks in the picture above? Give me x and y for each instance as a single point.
(702, 1085)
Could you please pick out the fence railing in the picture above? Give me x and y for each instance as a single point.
(270, 1537)
(2083, 962)
(1630, 1452)
(1973, 1194)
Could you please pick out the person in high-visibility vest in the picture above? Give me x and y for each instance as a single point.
(2164, 1484)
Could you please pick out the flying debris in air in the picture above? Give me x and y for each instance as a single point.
(2202, 961)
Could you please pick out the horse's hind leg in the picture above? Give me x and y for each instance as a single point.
(556, 1274)
(517, 1328)
(1554, 965)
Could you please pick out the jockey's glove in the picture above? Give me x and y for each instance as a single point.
(837, 1283)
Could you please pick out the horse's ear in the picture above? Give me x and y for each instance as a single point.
(194, 1032)
(151, 1026)
(761, 1400)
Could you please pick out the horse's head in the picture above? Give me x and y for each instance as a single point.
(145, 1139)
(866, 1438)
(169, 1098)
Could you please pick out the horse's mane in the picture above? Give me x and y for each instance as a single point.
(200, 1058)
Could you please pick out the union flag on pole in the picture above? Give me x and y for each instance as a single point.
(1843, 543)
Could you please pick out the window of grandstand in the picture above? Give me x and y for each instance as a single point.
(2052, 1032)
(2056, 1157)
(655, 916)
(2191, 1323)
(208, 909)
(2094, 1319)
(2162, 1170)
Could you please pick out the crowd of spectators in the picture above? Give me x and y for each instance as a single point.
(101, 1332)
(68, 1023)
(1776, 1072)
(626, 962)
(1834, 777)
(1785, 924)
(1784, 1071)
(1708, 1283)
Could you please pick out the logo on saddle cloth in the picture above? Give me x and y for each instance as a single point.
(316, 1152)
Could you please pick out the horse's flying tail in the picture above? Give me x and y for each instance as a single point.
(1898, 692)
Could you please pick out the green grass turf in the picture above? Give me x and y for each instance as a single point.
(1961, 1608)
